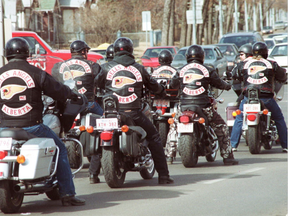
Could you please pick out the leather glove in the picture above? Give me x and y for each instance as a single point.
(76, 98)
(162, 94)
(228, 87)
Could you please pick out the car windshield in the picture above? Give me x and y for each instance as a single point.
(155, 52)
(239, 40)
(227, 50)
(270, 44)
(267, 27)
(280, 50)
(209, 54)
(179, 57)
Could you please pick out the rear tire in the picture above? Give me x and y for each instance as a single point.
(73, 152)
(10, 201)
(188, 149)
(148, 172)
(113, 170)
(163, 131)
(53, 194)
(253, 139)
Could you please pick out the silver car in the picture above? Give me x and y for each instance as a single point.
(213, 58)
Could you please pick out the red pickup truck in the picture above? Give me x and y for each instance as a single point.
(45, 50)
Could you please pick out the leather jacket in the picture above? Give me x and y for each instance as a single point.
(21, 93)
(261, 73)
(125, 78)
(84, 72)
(194, 79)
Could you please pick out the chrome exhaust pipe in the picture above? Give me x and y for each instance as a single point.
(22, 188)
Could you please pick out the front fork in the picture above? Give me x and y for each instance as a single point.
(171, 144)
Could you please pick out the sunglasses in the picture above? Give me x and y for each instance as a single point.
(241, 54)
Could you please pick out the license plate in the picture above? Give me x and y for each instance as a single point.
(5, 143)
(185, 128)
(161, 103)
(107, 123)
(251, 108)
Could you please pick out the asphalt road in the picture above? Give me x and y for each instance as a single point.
(257, 186)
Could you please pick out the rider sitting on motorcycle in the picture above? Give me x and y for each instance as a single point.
(124, 78)
(194, 79)
(166, 71)
(21, 86)
(84, 71)
(260, 73)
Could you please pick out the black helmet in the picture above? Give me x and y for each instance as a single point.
(78, 45)
(195, 52)
(17, 47)
(260, 48)
(123, 44)
(165, 57)
(247, 49)
(110, 52)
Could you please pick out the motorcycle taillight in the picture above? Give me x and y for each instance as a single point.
(184, 119)
(106, 135)
(251, 117)
(3, 154)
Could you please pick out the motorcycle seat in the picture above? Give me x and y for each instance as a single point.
(16, 133)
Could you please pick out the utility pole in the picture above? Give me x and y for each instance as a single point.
(194, 21)
(236, 16)
(220, 19)
(261, 17)
(246, 16)
(254, 17)
(1, 34)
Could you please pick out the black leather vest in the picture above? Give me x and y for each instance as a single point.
(194, 84)
(259, 74)
(83, 75)
(20, 101)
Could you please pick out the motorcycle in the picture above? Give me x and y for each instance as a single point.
(27, 163)
(258, 126)
(163, 108)
(123, 144)
(191, 134)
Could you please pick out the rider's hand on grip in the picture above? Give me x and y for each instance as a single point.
(162, 94)
(76, 98)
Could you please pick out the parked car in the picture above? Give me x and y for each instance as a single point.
(275, 34)
(101, 49)
(280, 54)
(270, 43)
(281, 38)
(267, 30)
(37, 44)
(278, 25)
(241, 38)
(230, 51)
(213, 58)
(150, 56)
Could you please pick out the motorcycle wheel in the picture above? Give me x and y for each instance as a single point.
(188, 150)
(211, 157)
(163, 131)
(53, 194)
(267, 144)
(147, 172)
(253, 139)
(111, 164)
(10, 201)
(73, 153)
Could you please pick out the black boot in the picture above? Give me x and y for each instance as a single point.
(72, 200)
(94, 179)
(230, 160)
(165, 180)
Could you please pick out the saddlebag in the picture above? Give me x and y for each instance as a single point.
(39, 154)
(130, 141)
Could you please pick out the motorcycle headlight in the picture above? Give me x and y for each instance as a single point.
(230, 63)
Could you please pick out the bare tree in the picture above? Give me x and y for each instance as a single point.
(183, 25)
(165, 24)
(171, 24)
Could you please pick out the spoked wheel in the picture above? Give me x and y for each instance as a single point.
(113, 170)
(148, 171)
(253, 139)
(188, 150)
(10, 200)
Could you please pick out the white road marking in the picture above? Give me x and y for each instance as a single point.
(233, 175)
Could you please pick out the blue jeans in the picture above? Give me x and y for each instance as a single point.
(94, 107)
(64, 175)
(276, 115)
(95, 163)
